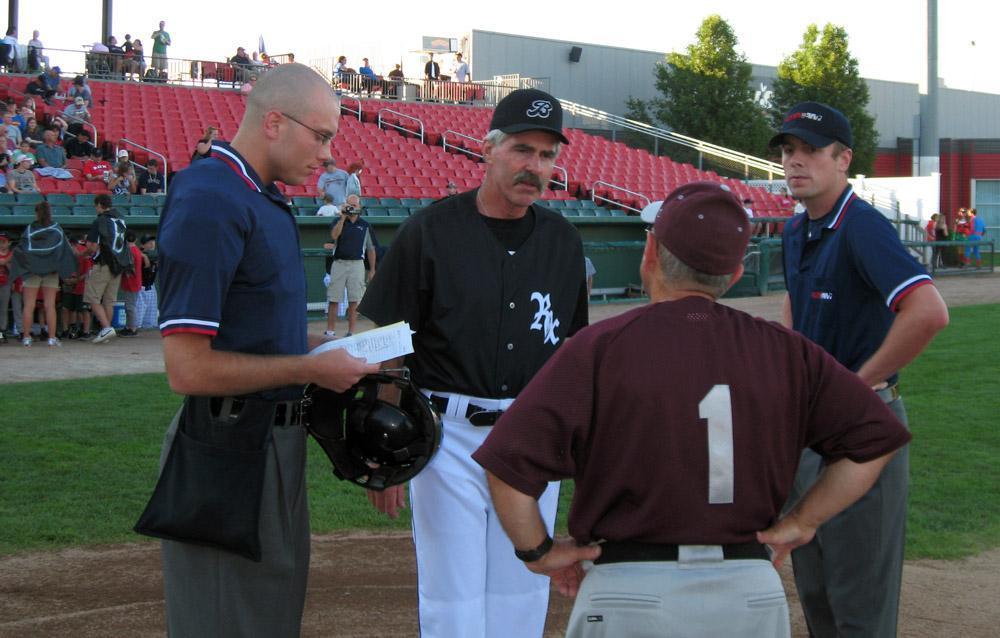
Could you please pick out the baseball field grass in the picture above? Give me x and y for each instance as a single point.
(78, 459)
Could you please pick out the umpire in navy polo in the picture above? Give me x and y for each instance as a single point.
(493, 284)
(667, 419)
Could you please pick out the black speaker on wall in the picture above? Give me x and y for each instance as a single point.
(575, 53)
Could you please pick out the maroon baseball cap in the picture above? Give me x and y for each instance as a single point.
(704, 225)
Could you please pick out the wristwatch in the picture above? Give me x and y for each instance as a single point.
(531, 555)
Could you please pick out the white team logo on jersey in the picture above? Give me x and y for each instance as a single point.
(544, 320)
(540, 108)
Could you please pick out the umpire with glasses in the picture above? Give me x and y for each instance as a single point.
(233, 320)
(681, 470)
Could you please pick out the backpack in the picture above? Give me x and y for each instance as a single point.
(115, 253)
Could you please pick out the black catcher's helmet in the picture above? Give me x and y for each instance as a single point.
(369, 440)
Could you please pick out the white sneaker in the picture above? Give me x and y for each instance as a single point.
(55, 343)
(329, 333)
(105, 334)
(26, 342)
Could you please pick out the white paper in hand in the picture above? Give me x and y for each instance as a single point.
(377, 345)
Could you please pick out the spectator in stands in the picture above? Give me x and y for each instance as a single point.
(241, 59)
(77, 110)
(26, 110)
(931, 225)
(37, 59)
(38, 86)
(123, 180)
(151, 182)
(117, 58)
(333, 182)
(21, 179)
(7, 145)
(13, 130)
(452, 189)
(137, 64)
(368, 77)
(5, 282)
(354, 178)
(96, 168)
(461, 70)
(80, 88)
(327, 209)
(79, 146)
(4, 168)
(131, 284)
(53, 79)
(32, 132)
(203, 149)
(59, 126)
(161, 40)
(42, 256)
(10, 40)
(432, 70)
(24, 149)
(340, 69)
(396, 81)
(50, 154)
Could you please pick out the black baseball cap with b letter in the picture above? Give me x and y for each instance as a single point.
(815, 123)
(529, 110)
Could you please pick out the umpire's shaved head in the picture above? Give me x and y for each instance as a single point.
(286, 88)
(291, 118)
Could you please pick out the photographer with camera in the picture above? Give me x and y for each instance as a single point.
(352, 237)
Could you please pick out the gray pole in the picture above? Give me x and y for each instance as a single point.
(106, 10)
(930, 159)
(12, 14)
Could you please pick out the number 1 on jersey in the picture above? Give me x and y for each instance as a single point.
(717, 409)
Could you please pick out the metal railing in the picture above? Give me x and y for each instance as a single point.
(615, 187)
(461, 149)
(382, 122)
(748, 165)
(163, 158)
(82, 122)
(344, 107)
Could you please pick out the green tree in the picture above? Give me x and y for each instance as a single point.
(707, 93)
(823, 70)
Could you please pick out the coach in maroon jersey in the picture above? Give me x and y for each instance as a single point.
(681, 424)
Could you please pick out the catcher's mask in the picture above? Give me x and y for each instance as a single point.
(370, 441)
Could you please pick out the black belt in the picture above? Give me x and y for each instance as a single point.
(638, 552)
(286, 413)
(477, 415)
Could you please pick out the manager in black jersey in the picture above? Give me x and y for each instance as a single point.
(493, 284)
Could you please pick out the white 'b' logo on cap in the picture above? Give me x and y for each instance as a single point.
(540, 108)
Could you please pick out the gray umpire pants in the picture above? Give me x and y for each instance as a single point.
(210, 592)
(681, 599)
(849, 576)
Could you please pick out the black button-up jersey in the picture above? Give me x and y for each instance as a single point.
(486, 321)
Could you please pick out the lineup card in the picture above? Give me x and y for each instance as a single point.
(376, 345)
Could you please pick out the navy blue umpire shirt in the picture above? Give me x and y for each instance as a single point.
(230, 262)
(846, 274)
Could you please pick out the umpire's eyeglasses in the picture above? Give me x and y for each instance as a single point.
(321, 138)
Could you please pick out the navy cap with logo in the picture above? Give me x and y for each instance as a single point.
(529, 110)
(704, 225)
(815, 123)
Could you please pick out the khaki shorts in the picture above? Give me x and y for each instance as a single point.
(49, 280)
(349, 273)
(102, 286)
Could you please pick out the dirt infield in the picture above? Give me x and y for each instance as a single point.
(364, 585)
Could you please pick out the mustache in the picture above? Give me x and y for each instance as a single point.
(524, 177)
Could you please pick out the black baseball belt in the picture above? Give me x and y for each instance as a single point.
(476, 415)
(639, 552)
(286, 413)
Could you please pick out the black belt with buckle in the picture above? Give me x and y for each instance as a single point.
(638, 552)
(286, 413)
(477, 415)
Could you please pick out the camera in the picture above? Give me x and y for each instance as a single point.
(350, 210)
